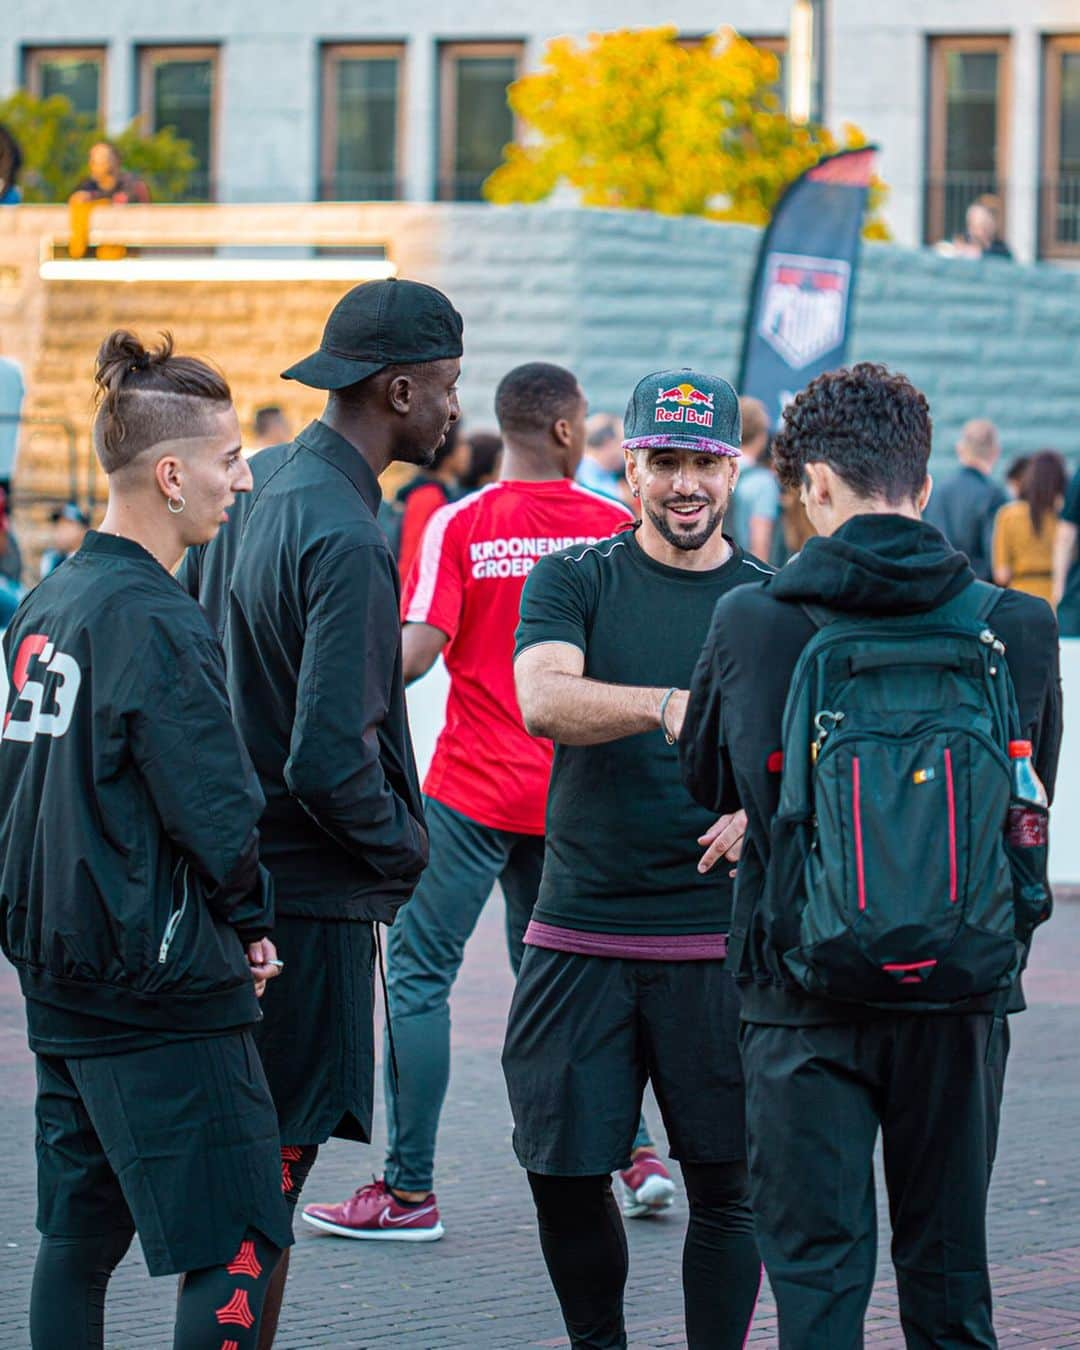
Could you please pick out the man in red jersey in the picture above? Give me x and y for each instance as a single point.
(486, 790)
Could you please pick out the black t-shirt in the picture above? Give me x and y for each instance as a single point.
(622, 850)
(1069, 609)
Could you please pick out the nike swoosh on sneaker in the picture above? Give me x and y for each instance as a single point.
(387, 1218)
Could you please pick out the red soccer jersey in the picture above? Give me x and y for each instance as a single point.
(467, 582)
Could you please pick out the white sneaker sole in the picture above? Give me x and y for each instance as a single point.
(376, 1234)
(653, 1196)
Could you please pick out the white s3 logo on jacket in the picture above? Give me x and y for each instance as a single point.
(41, 722)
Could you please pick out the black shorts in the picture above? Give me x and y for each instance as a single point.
(317, 1036)
(586, 1033)
(179, 1140)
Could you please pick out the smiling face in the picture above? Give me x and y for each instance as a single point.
(684, 493)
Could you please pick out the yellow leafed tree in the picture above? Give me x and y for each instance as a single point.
(635, 119)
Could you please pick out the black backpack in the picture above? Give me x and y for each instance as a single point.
(896, 787)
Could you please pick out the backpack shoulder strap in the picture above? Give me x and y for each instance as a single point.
(975, 602)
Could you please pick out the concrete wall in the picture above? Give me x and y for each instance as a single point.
(876, 58)
(612, 294)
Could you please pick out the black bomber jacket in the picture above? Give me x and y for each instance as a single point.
(304, 592)
(129, 872)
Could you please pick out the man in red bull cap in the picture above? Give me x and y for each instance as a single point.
(624, 980)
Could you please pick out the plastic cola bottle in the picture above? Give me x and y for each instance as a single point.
(1027, 826)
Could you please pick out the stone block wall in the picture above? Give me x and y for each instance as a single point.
(612, 294)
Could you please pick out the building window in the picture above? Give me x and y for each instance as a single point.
(361, 123)
(178, 89)
(78, 73)
(1060, 205)
(968, 123)
(779, 47)
(476, 121)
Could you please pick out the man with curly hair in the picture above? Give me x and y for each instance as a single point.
(824, 1076)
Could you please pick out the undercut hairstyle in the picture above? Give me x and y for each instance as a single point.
(531, 398)
(265, 418)
(146, 395)
(869, 424)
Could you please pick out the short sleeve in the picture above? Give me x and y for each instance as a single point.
(434, 590)
(554, 605)
(1071, 510)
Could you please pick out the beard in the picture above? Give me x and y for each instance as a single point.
(685, 540)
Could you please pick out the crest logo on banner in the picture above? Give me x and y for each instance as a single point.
(804, 306)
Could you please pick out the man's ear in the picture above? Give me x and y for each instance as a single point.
(169, 476)
(399, 393)
(562, 431)
(632, 472)
(922, 501)
(817, 481)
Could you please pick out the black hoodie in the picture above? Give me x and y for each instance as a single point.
(873, 565)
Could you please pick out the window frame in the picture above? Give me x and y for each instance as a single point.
(449, 54)
(331, 54)
(34, 57)
(152, 54)
(1054, 44)
(939, 48)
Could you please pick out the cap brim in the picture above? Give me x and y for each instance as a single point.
(320, 370)
(668, 441)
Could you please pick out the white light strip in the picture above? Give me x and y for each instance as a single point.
(216, 269)
(801, 61)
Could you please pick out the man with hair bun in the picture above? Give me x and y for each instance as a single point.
(871, 792)
(131, 898)
(304, 586)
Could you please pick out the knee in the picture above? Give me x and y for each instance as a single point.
(717, 1187)
(566, 1204)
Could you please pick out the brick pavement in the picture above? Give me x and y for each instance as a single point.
(484, 1285)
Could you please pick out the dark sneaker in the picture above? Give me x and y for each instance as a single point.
(648, 1187)
(375, 1212)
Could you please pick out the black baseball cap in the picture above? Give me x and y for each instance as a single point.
(683, 410)
(379, 324)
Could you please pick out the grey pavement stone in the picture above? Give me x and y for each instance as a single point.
(484, 1285)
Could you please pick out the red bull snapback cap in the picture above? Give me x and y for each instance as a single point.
(683, 410)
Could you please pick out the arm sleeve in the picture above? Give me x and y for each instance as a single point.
(703, 753)
(1071, 510)
(420, 506)
(352, 645)
(200, 779)
(435, 588)
(765, 501)
(554, 605)
(999, 543)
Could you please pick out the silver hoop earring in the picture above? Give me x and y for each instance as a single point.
(175, 508)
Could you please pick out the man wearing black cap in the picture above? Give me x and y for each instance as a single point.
(623, 978)
(303, 588)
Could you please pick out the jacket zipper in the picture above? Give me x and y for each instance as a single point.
(174, 919)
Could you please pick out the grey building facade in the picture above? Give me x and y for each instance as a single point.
(328, 100)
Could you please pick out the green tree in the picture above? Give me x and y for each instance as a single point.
(633, 118)
(56, 141)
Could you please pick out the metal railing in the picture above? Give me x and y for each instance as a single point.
(463, 187)
(348, 186)
(948, 197)
(20, 496)
(1060, 214)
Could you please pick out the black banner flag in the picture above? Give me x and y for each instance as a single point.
(798, 319)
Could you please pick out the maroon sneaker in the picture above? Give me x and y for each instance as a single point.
(648, 1187)
(375, 1212)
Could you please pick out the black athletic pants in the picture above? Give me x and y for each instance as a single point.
(815, 1100)
(584, 1245)
(219, 1306)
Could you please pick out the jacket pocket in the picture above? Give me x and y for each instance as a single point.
(180, 892)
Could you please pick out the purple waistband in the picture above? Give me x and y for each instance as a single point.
(629, 946)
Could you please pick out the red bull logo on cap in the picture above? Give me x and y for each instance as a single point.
(693, 406)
